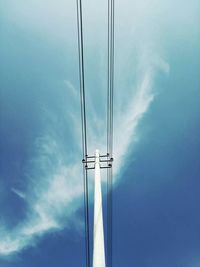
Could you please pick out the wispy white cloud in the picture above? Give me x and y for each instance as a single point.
(126, 122)
(55, 195)
(18, 193)
(52, 202)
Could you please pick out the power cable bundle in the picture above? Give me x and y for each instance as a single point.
(109, 154)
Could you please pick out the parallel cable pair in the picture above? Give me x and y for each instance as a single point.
(109, 127)
(110, 77)
(84, 127)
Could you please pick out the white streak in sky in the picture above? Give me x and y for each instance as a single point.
(18, 193)
(138, 104)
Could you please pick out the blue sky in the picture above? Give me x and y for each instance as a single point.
(156, 131)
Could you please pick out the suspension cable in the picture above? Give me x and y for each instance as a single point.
(110, 74)
(83, 124)
(110, 125)
(81, 75)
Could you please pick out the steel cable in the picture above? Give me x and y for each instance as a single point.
(110, 126)
(84, 128)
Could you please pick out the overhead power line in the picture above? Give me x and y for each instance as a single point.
(83, 126)
(104, 160)
(110, 89)
(81, 75)
(110, 86)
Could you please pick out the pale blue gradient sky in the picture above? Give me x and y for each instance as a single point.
(157, 117)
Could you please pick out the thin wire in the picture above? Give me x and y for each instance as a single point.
(81, 84)
(112, 77)
(86, 200)
(108, 134)
(109, 218)
(81, 76)
(108, 82)
(110, 125)
(108, 138)
(84, 132)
